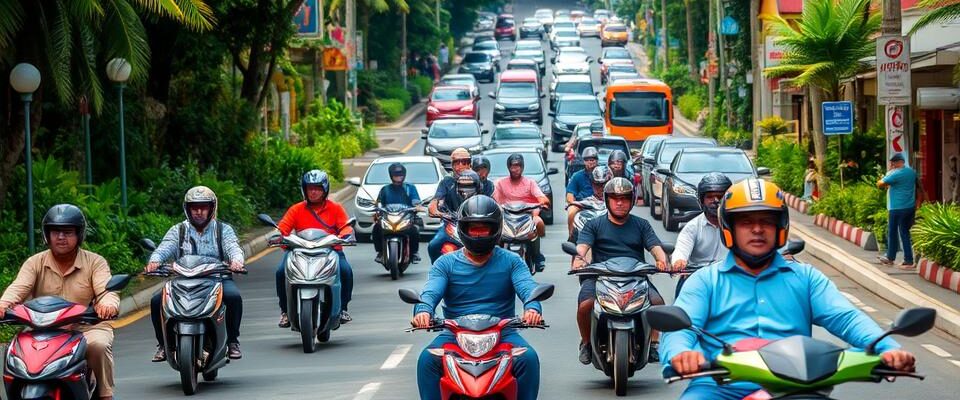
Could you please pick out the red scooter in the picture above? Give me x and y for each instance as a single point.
(479, 365)
(453, 244)
(48, 360)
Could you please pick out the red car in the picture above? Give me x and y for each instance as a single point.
(452, 102)
(506, 28)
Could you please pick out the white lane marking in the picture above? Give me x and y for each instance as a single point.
(955, 362)
(869, 309)
(852, 299)
(937, 350)
(884, 321)
(367, 391)
(396, 357)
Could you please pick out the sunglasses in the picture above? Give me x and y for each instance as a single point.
(461, 161)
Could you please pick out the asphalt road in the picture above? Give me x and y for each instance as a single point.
(372, 358)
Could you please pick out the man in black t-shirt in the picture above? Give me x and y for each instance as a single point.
(618, 234)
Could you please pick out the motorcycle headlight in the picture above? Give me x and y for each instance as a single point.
(620, 301)
(395, 222)
(499, 107)
(311, 267)
(684, 190)
(56, 365)
(477, 345)
(363, 202)
(15, 364)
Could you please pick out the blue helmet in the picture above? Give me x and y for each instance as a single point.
(315, 177)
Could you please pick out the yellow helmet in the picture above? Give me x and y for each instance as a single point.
(459, 153)
(753, 195)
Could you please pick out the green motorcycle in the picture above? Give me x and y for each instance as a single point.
(797, 367)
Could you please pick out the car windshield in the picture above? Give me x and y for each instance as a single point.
(702, 163)
(516, 132)
(621, 68)
(574, 88)
(454, 130)
(476, 58)
(589, 22)
(417, 173)
(531, 21)
(532, 164)
(617, 54)
(506, 23)
(528, 46)
(650, 146)
(517, 90)
(639, 109)
(528, 66)
(567, 34)
(616, 28)
(485, 46)
(527, 54)
(450, 95)
(571, 58)
(670, 149)
(578, 107)
(457, 82)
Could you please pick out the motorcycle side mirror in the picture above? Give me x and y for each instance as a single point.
(118, 282)
(910, 322)
(267, 220)
(350, 222)
(353, 181)
(569, 248)
(148, 244)
(668, 318)
(668, 247)
(541, 292)
(410, 296)
(793, 247)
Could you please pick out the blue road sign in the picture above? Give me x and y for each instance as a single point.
(307, 19)
(837, 117)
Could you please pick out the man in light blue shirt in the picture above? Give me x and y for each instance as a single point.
(756, 293)
(901, 185)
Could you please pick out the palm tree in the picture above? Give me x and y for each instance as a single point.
(824, 48)
(940, 11)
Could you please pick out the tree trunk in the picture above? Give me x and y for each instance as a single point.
(666, 41)
(691, 52)
(757, 75)
(819, 140)
(14, 140)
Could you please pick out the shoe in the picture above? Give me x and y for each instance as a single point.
(540, 266)
(654, 356)
(284, 321)
(160, 355)
(345, 317)
(233, 351)
(415, 258)
(379, 258)
(907, 267)
(586, 353)
(884, 260)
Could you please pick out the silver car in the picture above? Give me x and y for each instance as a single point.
(446, 135)
(424, 172)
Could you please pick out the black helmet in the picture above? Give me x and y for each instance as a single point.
(315, 177)
(617, 155)
(515, 158)
(600, 175)
(712, 182)
(597, 127)
(468, 184)
(618, 186)
(67, 215)
(397, 169)
(480, 209)
(480, 162)
(589, 152)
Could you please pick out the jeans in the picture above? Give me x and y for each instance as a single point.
(231, 298)
(898, 227)
(709, 391)
(412, 234)
(526, 367)
(437, 243)
(346, 281)
(808, 189)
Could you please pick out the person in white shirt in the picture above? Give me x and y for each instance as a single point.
(699, 242)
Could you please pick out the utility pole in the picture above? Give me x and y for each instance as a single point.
(711, 53)
(755, 66)
(437, 12)
(666, 41)
(351, 87)
(691, 53)
(892, 24)
(403, 46)
(724, 79)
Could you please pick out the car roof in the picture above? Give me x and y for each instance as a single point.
(573, 78)
(517, 125)
(712, 150)
(577, 97)
(450, 121)
(501, 150)
(575, 49)
(478, 52)
(458, 76)
(521, 61)
(518, 74)
(605, 139)
(689, 139)
(404, 159)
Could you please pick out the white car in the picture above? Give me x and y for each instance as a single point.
(564, 37)
(545, 15)
(424, 172)
(589, 27)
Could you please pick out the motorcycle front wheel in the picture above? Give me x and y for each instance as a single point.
(187, 362)
(306, 325)
(621, 361)
(393, 262)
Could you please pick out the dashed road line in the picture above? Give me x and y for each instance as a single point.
(396, 357)
(868, 309)
(367, 391)
(955, 362)
(937, 350)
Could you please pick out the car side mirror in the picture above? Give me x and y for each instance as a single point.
(542, 292)
(410, 296)
(542, 95)
(569, 248)
(423, 133)
(117, 282)
(668, 318)
(649, 160)
(485, 131)
(793, 247)
(910, 322)
(552, 114)
(148, 244)
(354, 181)
(491, 95)
(763, 171)
(267, 220)
(664, 171)
(552, 171)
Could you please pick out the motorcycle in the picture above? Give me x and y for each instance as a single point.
(396, 220)
(478, 365)
(194, 316)
(619, 330)
(590, 208)
(792, 248)
(796, 366)
(520, 233)
(312, 281)
(48, 359)
(453, 243)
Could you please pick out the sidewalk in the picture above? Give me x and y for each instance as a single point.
(684, 126)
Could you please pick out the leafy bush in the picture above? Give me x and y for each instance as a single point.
(423, 83)
(857, 204)
(690, 105)
(398, 93)
(936, 234)
(773, 126)
(787, 162)
(391, 108)
(734, 137)
(678, 77)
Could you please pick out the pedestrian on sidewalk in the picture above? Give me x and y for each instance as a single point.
(901, 184)
(444, 56)
(810, 191)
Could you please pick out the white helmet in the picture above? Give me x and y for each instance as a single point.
(200, 195)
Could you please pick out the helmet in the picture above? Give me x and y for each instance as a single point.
(753, 195)
(397, 169)
(480, 162)
(589, 152)
(67, 215)
(617, 155)
(600, 175)
(459, 153)
(597, 127)
(712, 182)
(468, 184)
(515, 158)
(200, 195)
(480, 209)
(315, 177)
(618, 186)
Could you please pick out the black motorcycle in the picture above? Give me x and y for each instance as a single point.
(396, 221)
(520, 232)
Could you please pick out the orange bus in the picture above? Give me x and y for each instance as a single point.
(638, 108)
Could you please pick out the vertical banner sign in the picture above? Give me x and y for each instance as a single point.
(307, 18)
(895, 122)
(893, 71)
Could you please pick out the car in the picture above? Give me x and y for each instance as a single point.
(565, 37)
(480, 65)
(445, 135)
(648, 150)
(528, 44)
(571, 63)
(491, 48)
(561, 13)
(531, 27)
(518, 97)
(570, 84)
(662, 159)
(589, 27)
(571, 110)
(621, 76)
(536, 56)
(545, 15)
(461, 80)
(527, 64)
(534, 167)
(577, 15)
(613, 34)
(680, 201)
(485, 22)
(423, 172)
(615, 66)
(604, 145)
(519, 134)
(452, 102)
(570, 51)
(506, 27)
(601, 15)
(614, 53)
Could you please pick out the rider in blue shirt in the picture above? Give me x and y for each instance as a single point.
(579, 187)
(482, 278)
(756, 293)
(397, 192)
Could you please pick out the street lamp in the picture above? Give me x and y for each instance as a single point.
(118, 70)
(25, 79)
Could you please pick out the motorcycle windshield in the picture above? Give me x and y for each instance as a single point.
(396, 208)
(801, 359)
(192, 266)
(312, 235)
(477, 322)
(623, 265)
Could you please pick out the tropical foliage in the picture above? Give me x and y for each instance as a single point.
(936, 234)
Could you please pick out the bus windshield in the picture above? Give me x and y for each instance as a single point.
(639, 109)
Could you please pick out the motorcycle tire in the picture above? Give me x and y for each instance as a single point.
(393, 261)
(621, 362)
(307, 330)
(187, 363)
(210, 376)
(653, 209)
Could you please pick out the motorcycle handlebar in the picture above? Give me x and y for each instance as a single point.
(439, 324)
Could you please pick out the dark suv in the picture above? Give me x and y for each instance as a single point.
(480, 65)
(661, 159)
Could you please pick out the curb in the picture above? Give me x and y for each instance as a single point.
(939, 275)
(796, 203)
(408, 116)
(866, 240)
(141, 299)
(868, 276)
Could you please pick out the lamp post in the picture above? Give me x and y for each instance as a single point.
(25, 79)
(118, 70)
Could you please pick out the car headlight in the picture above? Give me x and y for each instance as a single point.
(534, 106)
(499, 107)
(478, 147)
(477, 345)
(431, 149)
(363, 202)
(684, 190)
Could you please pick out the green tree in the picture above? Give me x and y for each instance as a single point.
(823, 49)
(940, 11)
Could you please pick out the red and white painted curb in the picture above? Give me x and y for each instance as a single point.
(939, 275)
(795, 203)
(851, 233)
